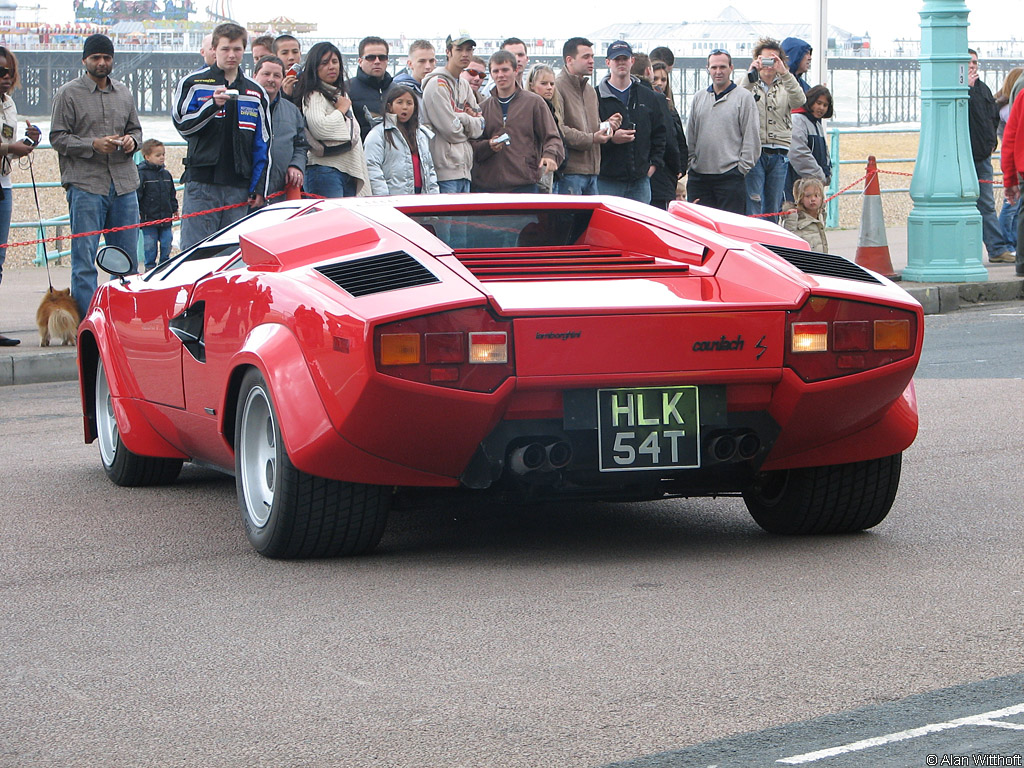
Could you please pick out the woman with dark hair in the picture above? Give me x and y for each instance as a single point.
(398, 148)
(665, 182)
(10, 147)
(808, 149)
(336, 166)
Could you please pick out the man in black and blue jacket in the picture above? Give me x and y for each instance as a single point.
(225, 118)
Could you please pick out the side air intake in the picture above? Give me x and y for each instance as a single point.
(826, 264)
(377, 274)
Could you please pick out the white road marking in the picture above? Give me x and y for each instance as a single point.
(985, 718)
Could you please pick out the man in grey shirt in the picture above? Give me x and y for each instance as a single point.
(95, 130)
(723, 139)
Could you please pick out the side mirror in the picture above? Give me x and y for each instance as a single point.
(114, 261)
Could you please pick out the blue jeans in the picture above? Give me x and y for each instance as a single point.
(200, 196)
(325, 181)
(152, 237)
(5, 227)
(89, 213)
(991, 232)
(1008, 221)
(576, 184)
(639, 190)
(453, 186)
(766, 183)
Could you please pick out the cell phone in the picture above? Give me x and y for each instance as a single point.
(293, 70)
(628, 125)
(504, 139)
(231, 93)
(28, 141)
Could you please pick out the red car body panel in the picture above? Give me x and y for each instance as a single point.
(643, 299)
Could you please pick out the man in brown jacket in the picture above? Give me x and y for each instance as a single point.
(520, 140)
(582, 128)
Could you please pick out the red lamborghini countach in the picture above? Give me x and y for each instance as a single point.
(334, 354)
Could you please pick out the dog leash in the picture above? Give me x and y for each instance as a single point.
(39, 212)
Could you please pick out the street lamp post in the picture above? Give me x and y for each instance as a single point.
(944, 227)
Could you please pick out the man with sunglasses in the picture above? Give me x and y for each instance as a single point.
(371, 82)
(95, 130)
(475, 74)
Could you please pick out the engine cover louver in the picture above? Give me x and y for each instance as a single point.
(377, 274)
(826, 264)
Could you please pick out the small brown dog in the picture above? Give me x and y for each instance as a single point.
(57, 317)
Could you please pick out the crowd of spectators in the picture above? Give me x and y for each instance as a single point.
(470, 124)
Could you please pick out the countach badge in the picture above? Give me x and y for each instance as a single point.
(721, 345)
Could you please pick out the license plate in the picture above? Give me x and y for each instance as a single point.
(647, 428)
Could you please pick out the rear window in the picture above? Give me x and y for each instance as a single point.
(507, 229)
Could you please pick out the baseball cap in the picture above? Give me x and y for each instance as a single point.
(619, 48)
(455, 41)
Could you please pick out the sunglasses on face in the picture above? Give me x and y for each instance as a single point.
(5, 71)
(475, 73)
(376, 57)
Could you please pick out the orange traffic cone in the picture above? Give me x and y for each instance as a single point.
(872, 246)
(292, 193)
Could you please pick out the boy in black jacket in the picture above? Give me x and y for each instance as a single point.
(157, 200)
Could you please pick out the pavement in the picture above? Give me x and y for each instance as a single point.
(28, 363)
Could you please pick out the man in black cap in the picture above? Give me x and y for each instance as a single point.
(637, 148)
(95, 129)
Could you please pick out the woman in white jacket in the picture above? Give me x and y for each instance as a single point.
(398, 148)
(336, 166)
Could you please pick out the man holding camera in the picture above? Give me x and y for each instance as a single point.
(225, 117)
(637, 147)
(777, 94)
(95, 130)
(520, 140)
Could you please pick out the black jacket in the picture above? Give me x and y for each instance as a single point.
(677, 155)
(983, 120)
(243, 124)
(630, 162)
(157, 198)
(367, 94)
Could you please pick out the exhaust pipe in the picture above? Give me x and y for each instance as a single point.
(748, 446)
(527, 458)
(723, 447)
(559, 454)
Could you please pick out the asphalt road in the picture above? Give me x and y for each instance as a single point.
(139, 629)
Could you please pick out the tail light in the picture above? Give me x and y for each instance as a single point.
(827, 338)
(463, 349)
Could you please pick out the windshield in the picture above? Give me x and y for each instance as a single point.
(507, 229)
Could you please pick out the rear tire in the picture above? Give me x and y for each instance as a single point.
(121, 465)
(288, 513)
(839, 498)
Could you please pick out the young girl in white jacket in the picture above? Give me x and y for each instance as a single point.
(398, 148)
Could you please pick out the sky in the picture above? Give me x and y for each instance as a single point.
(884, 20)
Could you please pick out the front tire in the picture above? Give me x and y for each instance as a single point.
(838, 498)
(121, 465)
(288, 513)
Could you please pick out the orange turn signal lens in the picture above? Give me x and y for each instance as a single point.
(892, 334)
(810, 337)
(399, 348)
(488, 347)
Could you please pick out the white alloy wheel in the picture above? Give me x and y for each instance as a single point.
(258, 456)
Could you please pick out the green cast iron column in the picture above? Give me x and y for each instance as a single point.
(944, 227)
